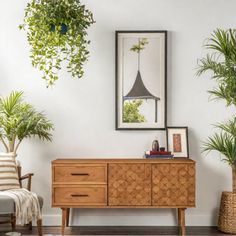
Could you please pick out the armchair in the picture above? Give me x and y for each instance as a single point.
(7, 205)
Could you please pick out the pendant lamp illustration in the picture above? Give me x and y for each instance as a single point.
(139, 90)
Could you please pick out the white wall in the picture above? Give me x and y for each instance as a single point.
(83, 110)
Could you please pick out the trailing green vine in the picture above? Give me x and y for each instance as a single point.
(56, 32)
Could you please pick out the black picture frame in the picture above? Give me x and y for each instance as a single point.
(119, 125)
(169, 143)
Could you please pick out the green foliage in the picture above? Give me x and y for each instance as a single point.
(140, 46)
(224, 142)
(222, 63)
(56, 32)
(19, 120)
(131, 112)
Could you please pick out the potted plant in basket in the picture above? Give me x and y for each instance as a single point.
(222, 63)
(19, 120)
(56, 32)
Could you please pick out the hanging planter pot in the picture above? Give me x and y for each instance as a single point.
(52, 27)
(64, 28)
(57, 32)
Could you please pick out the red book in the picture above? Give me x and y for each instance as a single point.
(160, 153)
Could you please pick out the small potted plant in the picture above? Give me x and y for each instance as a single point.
(19, 120)
(57, 32)
(222, 63)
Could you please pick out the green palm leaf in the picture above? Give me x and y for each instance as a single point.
(224, 142)
(222, 63)
(19, 120)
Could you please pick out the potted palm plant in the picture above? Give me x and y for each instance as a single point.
(19, 120)
(221, 62)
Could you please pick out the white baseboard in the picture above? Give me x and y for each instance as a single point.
(129, 220)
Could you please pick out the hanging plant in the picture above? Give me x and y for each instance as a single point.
(56, 32)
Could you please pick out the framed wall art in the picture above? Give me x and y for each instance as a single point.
(177, 141)
(141, 74)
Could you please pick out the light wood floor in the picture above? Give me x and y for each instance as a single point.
(118, 230)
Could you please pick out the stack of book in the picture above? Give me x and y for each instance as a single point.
(158, 154)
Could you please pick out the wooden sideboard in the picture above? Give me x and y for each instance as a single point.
(123, 183)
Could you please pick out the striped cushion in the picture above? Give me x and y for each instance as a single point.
(9, 178)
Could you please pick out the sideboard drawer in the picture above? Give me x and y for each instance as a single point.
(80, 195)
(82, 174)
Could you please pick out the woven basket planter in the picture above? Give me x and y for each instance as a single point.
(234, 179)
(227, 215)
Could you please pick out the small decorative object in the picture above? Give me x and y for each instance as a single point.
(155, 145)
(177, 141)
(141, 64)
(221, 64)
(56, 31)
(19, 120)
(158, 154)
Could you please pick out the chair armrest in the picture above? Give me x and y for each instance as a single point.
(26, 176)
(29, 177)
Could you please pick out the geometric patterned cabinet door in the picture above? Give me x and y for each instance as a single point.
(129, 184)
(173, 184)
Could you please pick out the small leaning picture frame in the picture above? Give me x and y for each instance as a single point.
(177, 141)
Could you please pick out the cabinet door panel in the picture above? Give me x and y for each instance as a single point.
(129, 184)
(173, 184)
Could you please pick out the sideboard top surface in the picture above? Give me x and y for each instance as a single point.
(121, 160)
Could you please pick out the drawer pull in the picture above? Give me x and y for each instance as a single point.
(79, 174)
(79, 195)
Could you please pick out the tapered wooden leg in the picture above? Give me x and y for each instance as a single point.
(30, 225)
(39, 226)
(63, 222)
(67, 217)
(178, 213)
(13, 222)
(181, 220)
